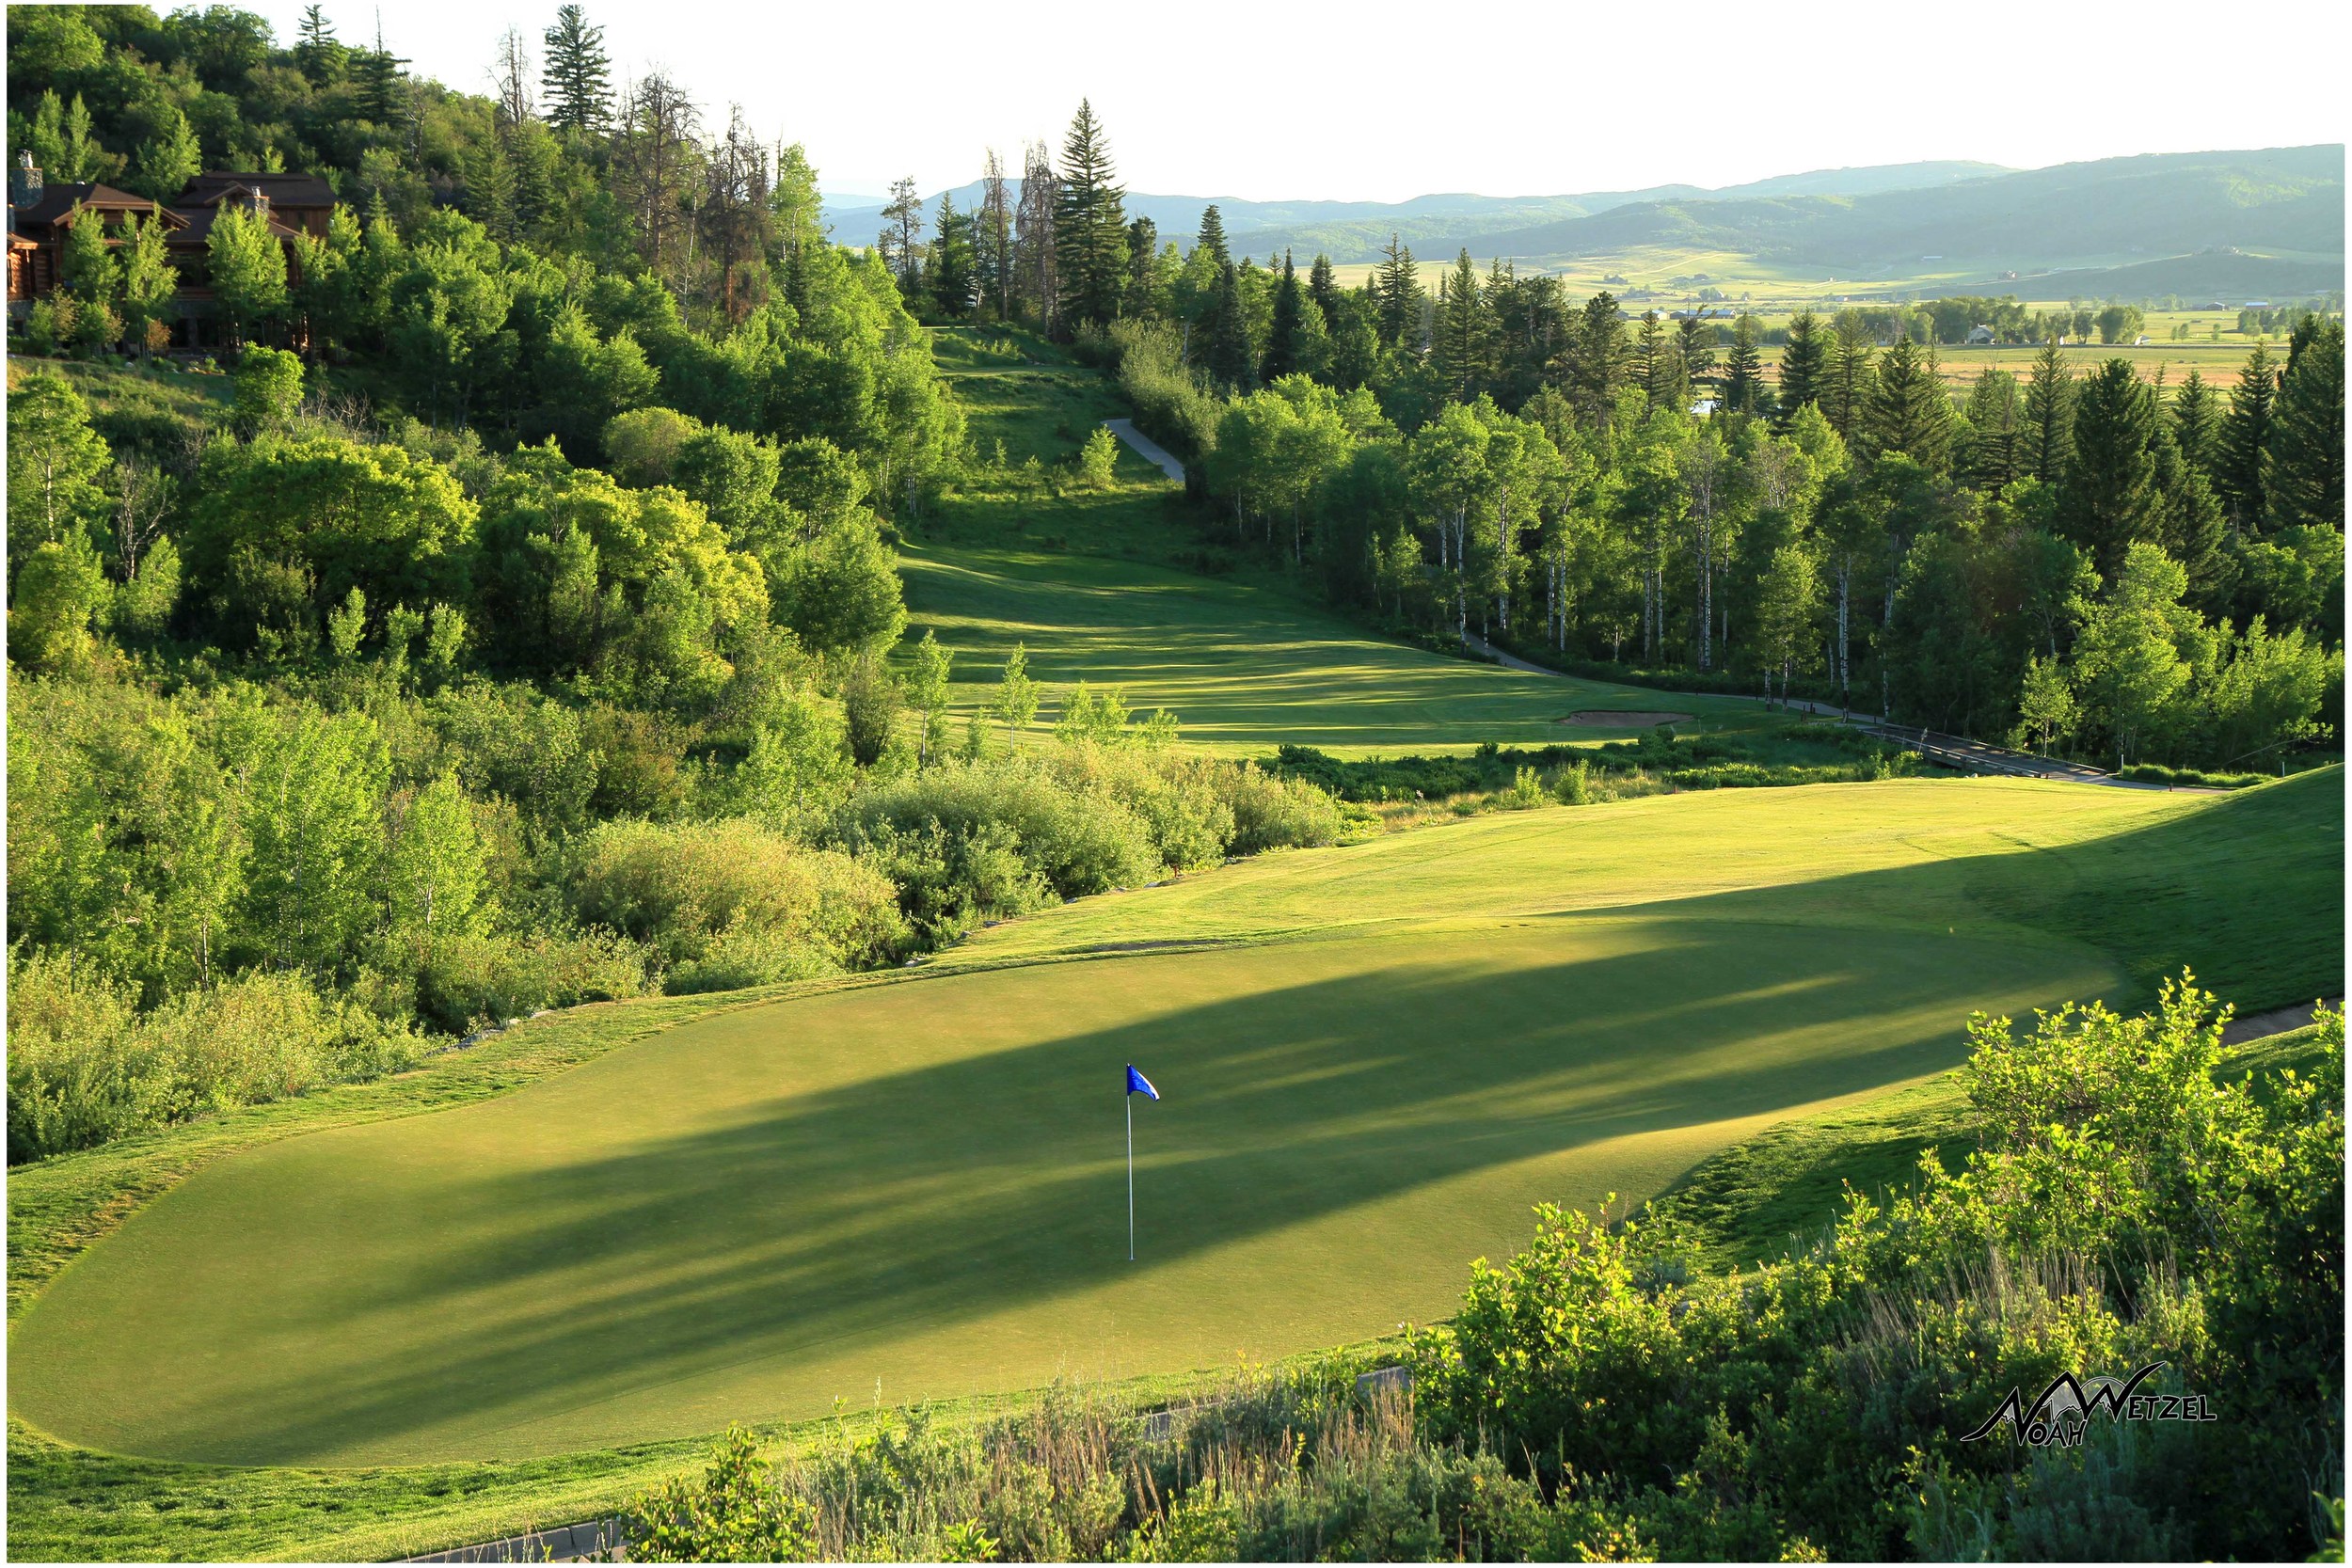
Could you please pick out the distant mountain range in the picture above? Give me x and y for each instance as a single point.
(2264, 221)
(1264, 228)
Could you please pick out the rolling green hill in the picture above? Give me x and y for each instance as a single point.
(2071, 215)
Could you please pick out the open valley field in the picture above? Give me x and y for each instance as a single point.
(1375, 1060)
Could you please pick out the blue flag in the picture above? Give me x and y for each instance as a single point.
(1139, 1084)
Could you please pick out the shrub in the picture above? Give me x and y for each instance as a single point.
(681, 888)
(1273, 813)
(463, 982)
(85, 1065)
(2124, 1209)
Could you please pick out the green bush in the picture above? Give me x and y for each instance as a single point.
(2123, 1209)
(463, 982)
(86, 1065)
(732, 898)
(2149, 773)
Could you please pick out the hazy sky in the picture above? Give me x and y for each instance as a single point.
(1348, 100)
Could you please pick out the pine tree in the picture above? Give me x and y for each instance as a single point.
(1651, 356)
(2196, 423)
(1457, 351)
(2109, 499)
(317, 55)
(1594, 365)
(378, 78)
(577, 75)
(1847, 377)
(1226, 331)
(1089, 225)
(1743, 370)
(1907, 411)
(2049, 415)
(1995, 432)
(1212, 236)
(1695, 347)
(1397, 287)
(949, 273)
(1321, 287)
(2244, 435)
(2303, 458)
(1803, 365)
(1142, 290)
(1284, 337)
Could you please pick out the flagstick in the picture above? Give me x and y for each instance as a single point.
(1130, 1098)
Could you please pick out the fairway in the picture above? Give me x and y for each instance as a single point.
(1244, 667)
(914, 1185)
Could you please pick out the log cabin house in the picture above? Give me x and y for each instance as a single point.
(293, 204)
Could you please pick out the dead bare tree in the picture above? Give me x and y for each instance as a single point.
(654, 159)
(510, 79)
(1040, 272)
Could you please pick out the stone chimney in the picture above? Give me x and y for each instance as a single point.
(25, 185)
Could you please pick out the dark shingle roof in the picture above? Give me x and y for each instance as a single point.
(284, 190)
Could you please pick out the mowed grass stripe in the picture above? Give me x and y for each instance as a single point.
(1244, 668)
(920, 1186)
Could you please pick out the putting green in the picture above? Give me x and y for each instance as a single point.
(919, 1185)
(916, 1183)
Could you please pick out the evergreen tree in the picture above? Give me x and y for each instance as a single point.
(2302, 469)
(2196, 423)
(577, 75)
(1907, 411)
(2244, 435)
(1143, 255)
(1594, 365)
(1225, 330)
(2049, 415)
(317, 55)
(1652, 361)
(2109, 499)
(1089, 225)
(1321, 286)
(1396, 285)
(1284, 335)
(377, 75)
(1848, 379)
(1803, 365)
(1743, 370)
(1212, 236)
(950, 273)
(1996, 427)
(1694, 348)
(1457, 347)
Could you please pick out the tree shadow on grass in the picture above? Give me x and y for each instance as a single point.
(442, 1279)
(920, 1200)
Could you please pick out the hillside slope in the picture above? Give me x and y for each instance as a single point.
(2278, 199)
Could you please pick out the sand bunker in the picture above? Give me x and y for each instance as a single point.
(1610, 718)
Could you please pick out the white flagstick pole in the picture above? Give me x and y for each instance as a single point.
(1128, 1095)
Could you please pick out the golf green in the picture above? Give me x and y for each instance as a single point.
(914, 1187)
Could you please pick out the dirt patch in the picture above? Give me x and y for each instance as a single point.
(1610, 718)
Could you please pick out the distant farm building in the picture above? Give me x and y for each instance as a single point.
(1979, 334)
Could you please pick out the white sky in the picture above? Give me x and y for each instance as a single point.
(1355, 101)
